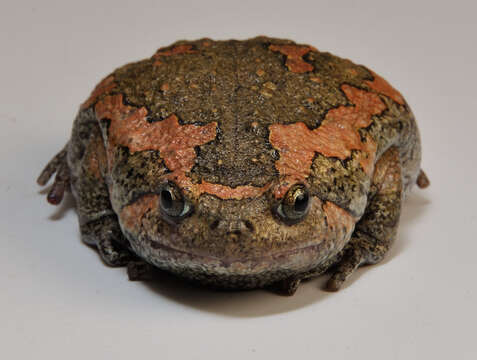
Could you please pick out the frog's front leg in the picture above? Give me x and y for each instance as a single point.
(81, 165)
(106, 235)
(376, 230)
(99, 224)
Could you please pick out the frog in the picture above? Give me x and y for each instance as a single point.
(240, 164)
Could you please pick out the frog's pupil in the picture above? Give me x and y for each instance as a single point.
(166, 199)
(301, 203)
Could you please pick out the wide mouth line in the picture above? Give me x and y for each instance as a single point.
(230, 261)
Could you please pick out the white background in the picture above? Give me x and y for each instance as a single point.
(58, 301)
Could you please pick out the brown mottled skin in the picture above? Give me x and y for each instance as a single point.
(241, 164)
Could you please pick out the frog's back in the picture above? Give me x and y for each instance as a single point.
(282, 110)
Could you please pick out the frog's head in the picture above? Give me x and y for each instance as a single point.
(220, 211)
(211, 236)
(234, 163)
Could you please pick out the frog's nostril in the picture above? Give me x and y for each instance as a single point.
(232, 227)
(214, 224)
(249, 226)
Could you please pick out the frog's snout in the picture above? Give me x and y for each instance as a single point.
(232, 228)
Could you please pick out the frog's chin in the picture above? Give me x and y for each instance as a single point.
(232, 273)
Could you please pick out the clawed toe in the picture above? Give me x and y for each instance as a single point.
(140, 270)
(287, 287)
(113, 254)
(59, 166)
(351, 260)
(422, 180)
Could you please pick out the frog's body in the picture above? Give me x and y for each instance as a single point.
(241, 164)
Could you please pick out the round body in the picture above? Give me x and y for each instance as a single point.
(237, 163)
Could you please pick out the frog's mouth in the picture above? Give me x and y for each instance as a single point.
(268, 250)
(226, 271)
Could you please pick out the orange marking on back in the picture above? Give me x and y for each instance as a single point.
(294, 54)
(383, 87)
(105, 85)
(176, 50)
(175, 143)
(336, 137)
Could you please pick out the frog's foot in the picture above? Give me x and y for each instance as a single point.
(106, 235)
(139, 270)
(360, 250)
(113, 254)
(287, 287)
(59, 166)
(422, 180)
(377, 228)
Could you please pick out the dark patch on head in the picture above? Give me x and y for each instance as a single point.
(214, 224)
(343, 183)
(241, 160)
(138, 173)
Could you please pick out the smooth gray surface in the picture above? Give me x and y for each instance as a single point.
(59, 301)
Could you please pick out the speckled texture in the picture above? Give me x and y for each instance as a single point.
(241, 164)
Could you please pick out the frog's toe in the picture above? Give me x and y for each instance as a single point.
(287, 287)
(62, 183)
(106, 235)
(140, 270)
(113, 254)
(59, 166)
(351, 260)
(422, 180)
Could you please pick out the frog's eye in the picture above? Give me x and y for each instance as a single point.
(172, 202)
(295, 204)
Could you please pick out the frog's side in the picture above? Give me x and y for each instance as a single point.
(241, 164)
